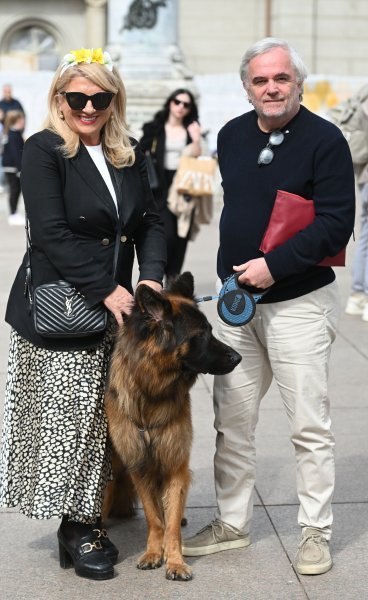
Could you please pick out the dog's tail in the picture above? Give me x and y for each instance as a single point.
(120, 500)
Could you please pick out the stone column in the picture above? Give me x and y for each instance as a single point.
(143, 42)
(95, 23)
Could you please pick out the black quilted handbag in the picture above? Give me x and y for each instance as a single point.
(59, 311)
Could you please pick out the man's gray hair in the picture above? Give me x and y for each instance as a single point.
(266, 45)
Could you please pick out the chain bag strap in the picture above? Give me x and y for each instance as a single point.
(151, 166)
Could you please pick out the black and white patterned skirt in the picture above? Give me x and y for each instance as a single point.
(55, 457)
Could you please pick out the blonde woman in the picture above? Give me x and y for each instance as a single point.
(81, 176)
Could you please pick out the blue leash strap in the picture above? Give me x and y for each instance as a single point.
(236, 304)
(206, 298)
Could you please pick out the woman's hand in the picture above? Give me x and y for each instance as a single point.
(194, 131)
(152, 284)
(120, 303)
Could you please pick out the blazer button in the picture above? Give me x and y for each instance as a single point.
(123, 238)
(82, 219)
(105, 241)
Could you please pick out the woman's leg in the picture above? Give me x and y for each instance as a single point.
(14, 191)
(360, 265)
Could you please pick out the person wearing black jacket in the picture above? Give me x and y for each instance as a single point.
(12, 159)
(84, 181)
(279, 145)
(7, 102)
(173, 128)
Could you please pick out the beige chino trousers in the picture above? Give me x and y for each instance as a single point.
(290, 341)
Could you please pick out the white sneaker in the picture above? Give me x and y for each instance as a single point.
(16, 219)
(365, 312)
(356, 303)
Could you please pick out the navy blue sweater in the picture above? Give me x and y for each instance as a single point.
(314, 162)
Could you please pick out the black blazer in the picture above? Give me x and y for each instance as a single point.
(73, 222)
(13, 148)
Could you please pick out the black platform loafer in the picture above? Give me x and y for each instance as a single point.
(107, 546)
(85, 553)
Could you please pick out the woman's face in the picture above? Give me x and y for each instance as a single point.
(180, 106)
(86, 122)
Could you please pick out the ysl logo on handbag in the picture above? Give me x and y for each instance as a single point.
(69, 306)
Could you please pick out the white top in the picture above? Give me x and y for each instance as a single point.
(173, 151)
(98, 158)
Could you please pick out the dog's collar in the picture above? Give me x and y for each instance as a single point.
(144, 431)
(148, 427)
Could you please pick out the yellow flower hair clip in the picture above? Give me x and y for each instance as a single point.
(86, 55)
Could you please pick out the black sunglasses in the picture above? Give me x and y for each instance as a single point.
(185, 104)
(266, 155)
(77, 100)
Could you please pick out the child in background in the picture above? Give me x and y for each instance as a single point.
(12, 157)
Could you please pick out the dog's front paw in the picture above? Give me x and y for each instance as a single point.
(150, 560)
(178, 571)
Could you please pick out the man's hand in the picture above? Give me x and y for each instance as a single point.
(256, 273)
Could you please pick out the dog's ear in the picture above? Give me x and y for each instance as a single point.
(183, 285)
(152, 303)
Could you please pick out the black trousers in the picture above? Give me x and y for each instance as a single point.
(176, 246)
(14, 191)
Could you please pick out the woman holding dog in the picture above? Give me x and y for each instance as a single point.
(83, 180)
(173, 128)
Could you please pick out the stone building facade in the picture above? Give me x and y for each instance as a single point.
(212, 34)
(196, 43)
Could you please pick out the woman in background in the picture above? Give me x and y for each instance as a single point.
(12, 159)
(173, 128)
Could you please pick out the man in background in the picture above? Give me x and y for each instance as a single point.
(8, 102)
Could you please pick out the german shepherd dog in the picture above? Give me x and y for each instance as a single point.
(159, 352)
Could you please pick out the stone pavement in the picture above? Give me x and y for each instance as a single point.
(28, 549)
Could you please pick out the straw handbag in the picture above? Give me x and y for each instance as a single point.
(195, 176)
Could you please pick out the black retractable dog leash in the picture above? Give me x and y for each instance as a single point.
(236, 304)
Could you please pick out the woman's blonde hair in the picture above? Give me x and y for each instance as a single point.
(115, 138)
(11, 118)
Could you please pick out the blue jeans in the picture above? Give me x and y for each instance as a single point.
(360, 264)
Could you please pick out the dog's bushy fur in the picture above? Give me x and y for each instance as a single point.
(166, 342)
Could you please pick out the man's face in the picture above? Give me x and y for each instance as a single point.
(7, 91)
(272, 88)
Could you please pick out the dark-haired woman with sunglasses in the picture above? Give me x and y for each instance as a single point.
(85, 189)
(173, 128)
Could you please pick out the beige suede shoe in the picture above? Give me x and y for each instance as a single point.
(215, 537)
(313, 556)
